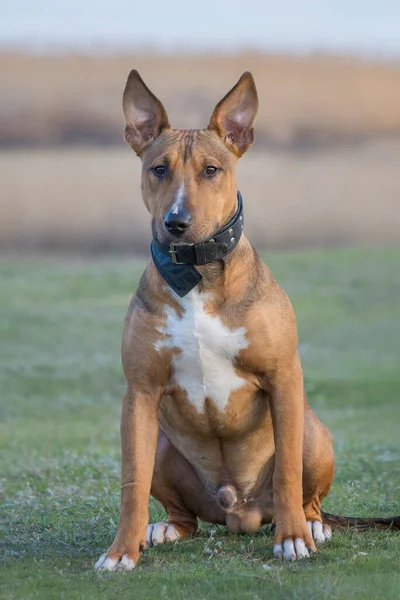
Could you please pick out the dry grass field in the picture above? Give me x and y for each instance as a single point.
(303, 100)
(88, 199)
(324, 169)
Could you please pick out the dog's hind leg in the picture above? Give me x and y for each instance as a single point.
(176, 486)
(318, 472)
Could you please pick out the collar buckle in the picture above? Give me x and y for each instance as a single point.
(173, 252)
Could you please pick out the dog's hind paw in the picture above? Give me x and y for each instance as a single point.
(159, 533)
(321, 533)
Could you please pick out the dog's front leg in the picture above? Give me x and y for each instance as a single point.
(292, 535)
(139, 431)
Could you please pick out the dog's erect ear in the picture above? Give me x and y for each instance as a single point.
(145, 116)
(233, 117)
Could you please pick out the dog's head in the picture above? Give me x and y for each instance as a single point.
(188, 176)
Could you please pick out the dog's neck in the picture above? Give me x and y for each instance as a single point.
(217, 274)
(180, 264)
(234, 270)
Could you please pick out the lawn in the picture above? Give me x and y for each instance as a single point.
(61, 384)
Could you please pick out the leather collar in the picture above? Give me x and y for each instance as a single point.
(175, 262)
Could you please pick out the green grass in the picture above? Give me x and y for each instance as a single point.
(61, 384)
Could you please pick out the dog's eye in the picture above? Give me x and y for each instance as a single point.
(159, 171)
(210, 171)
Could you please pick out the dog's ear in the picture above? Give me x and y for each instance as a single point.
(145, 116)
(233, 117)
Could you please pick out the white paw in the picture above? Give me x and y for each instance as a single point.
(290, 550)
(107, 563)
(159, 533)
(321, 533)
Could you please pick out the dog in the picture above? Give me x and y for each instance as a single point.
(215, 422)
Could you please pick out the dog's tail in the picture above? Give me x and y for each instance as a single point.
(338, 522)
(228, 500)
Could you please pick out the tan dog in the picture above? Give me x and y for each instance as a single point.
(215, 423)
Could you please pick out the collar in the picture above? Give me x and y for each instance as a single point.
(175, 262)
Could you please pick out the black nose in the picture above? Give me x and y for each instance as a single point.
(177, 223)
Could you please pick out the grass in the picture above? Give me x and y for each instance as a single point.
(61, 383)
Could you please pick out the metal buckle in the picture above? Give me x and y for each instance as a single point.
(172, 252)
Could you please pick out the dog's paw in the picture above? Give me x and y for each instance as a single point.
(159, 533)
(321, 533)
(115, 562)
(293, 538)
(291, 549)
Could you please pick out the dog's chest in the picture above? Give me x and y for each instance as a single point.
(206, 349)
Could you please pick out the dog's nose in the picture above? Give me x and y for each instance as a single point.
(177, 223)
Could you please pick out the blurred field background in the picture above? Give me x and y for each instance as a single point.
(324, 169)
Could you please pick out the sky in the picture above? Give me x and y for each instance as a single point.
(358, 26)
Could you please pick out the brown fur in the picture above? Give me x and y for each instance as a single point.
(266, 457)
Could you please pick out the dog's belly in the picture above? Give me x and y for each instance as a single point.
(235, 447)
(241, 461)
(213, 413)
(205, 353)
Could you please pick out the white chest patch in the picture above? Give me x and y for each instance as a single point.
(204, 367)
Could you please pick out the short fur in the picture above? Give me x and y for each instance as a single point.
(215, 422)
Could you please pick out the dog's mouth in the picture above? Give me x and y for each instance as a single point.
(189, 237)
